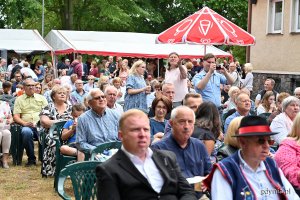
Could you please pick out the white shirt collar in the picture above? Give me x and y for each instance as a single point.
(133, 157)
(245, 166)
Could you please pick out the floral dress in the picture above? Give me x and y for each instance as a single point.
(5, 115)
(138, 101)
(49, 161)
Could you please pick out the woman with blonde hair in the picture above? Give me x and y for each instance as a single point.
(248, 81)
(136, 88)
(231, 144)
(287, 156)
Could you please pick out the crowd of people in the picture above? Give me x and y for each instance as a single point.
(194, 117)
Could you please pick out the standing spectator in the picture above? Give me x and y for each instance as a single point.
(190, 73)
(49, 68)
(197, 66)
(208, 81)
(84, 68)
(111, 64)
(14, 62)
(177, 75)
(15, 68)
(94, 69)
(136, 88)
(268, 86)
(76, 68)
(26, 113)
(77, 96)
(5, 135)
(248, 81)
(57, 110)
(235, 75)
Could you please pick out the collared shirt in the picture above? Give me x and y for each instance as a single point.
(29, 107)
(147, 168)
(93, 129)
(193, 160)
(257, 179)
(118, 108)
(212, 91)
(76, 97)
(229, 119)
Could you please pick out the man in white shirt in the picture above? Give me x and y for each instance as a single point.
(250, 173)
(136, 168)
(111, 94)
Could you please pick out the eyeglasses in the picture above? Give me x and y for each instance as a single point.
(28, 85)
(262, 141)
(99, 97)
(91, 79)
(38, 88)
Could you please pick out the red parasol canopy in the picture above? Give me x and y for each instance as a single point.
(206, 27)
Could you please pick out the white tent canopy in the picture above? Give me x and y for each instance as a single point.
(22, 41)
(122, 44)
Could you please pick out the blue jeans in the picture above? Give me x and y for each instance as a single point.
(28, 135)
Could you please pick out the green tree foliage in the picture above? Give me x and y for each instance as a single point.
(144, 16)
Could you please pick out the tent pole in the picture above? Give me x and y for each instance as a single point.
(157, 67)
(204, 49)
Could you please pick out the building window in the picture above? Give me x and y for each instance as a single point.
(295, 17)
(275, 22)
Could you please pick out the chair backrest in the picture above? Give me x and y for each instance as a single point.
(83, 177)
(56, 129)
(105, 146)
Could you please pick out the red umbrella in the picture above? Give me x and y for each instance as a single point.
(206, 27)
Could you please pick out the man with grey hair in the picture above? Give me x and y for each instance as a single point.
(297, 92)
(268, 86)
(191, 153)
(97, 125)
(111, 94)
(282, 123)
(3, 65)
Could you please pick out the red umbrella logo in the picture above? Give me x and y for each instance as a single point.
(206, 27)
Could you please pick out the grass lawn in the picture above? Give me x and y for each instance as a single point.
(20, 182)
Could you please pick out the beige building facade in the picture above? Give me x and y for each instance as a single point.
(276, 27)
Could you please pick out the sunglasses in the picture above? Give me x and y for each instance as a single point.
(99, 97)
(262, 141)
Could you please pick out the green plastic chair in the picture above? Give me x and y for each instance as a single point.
(61, 160)
(105, 146)
(83, 178)
(17, 148)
